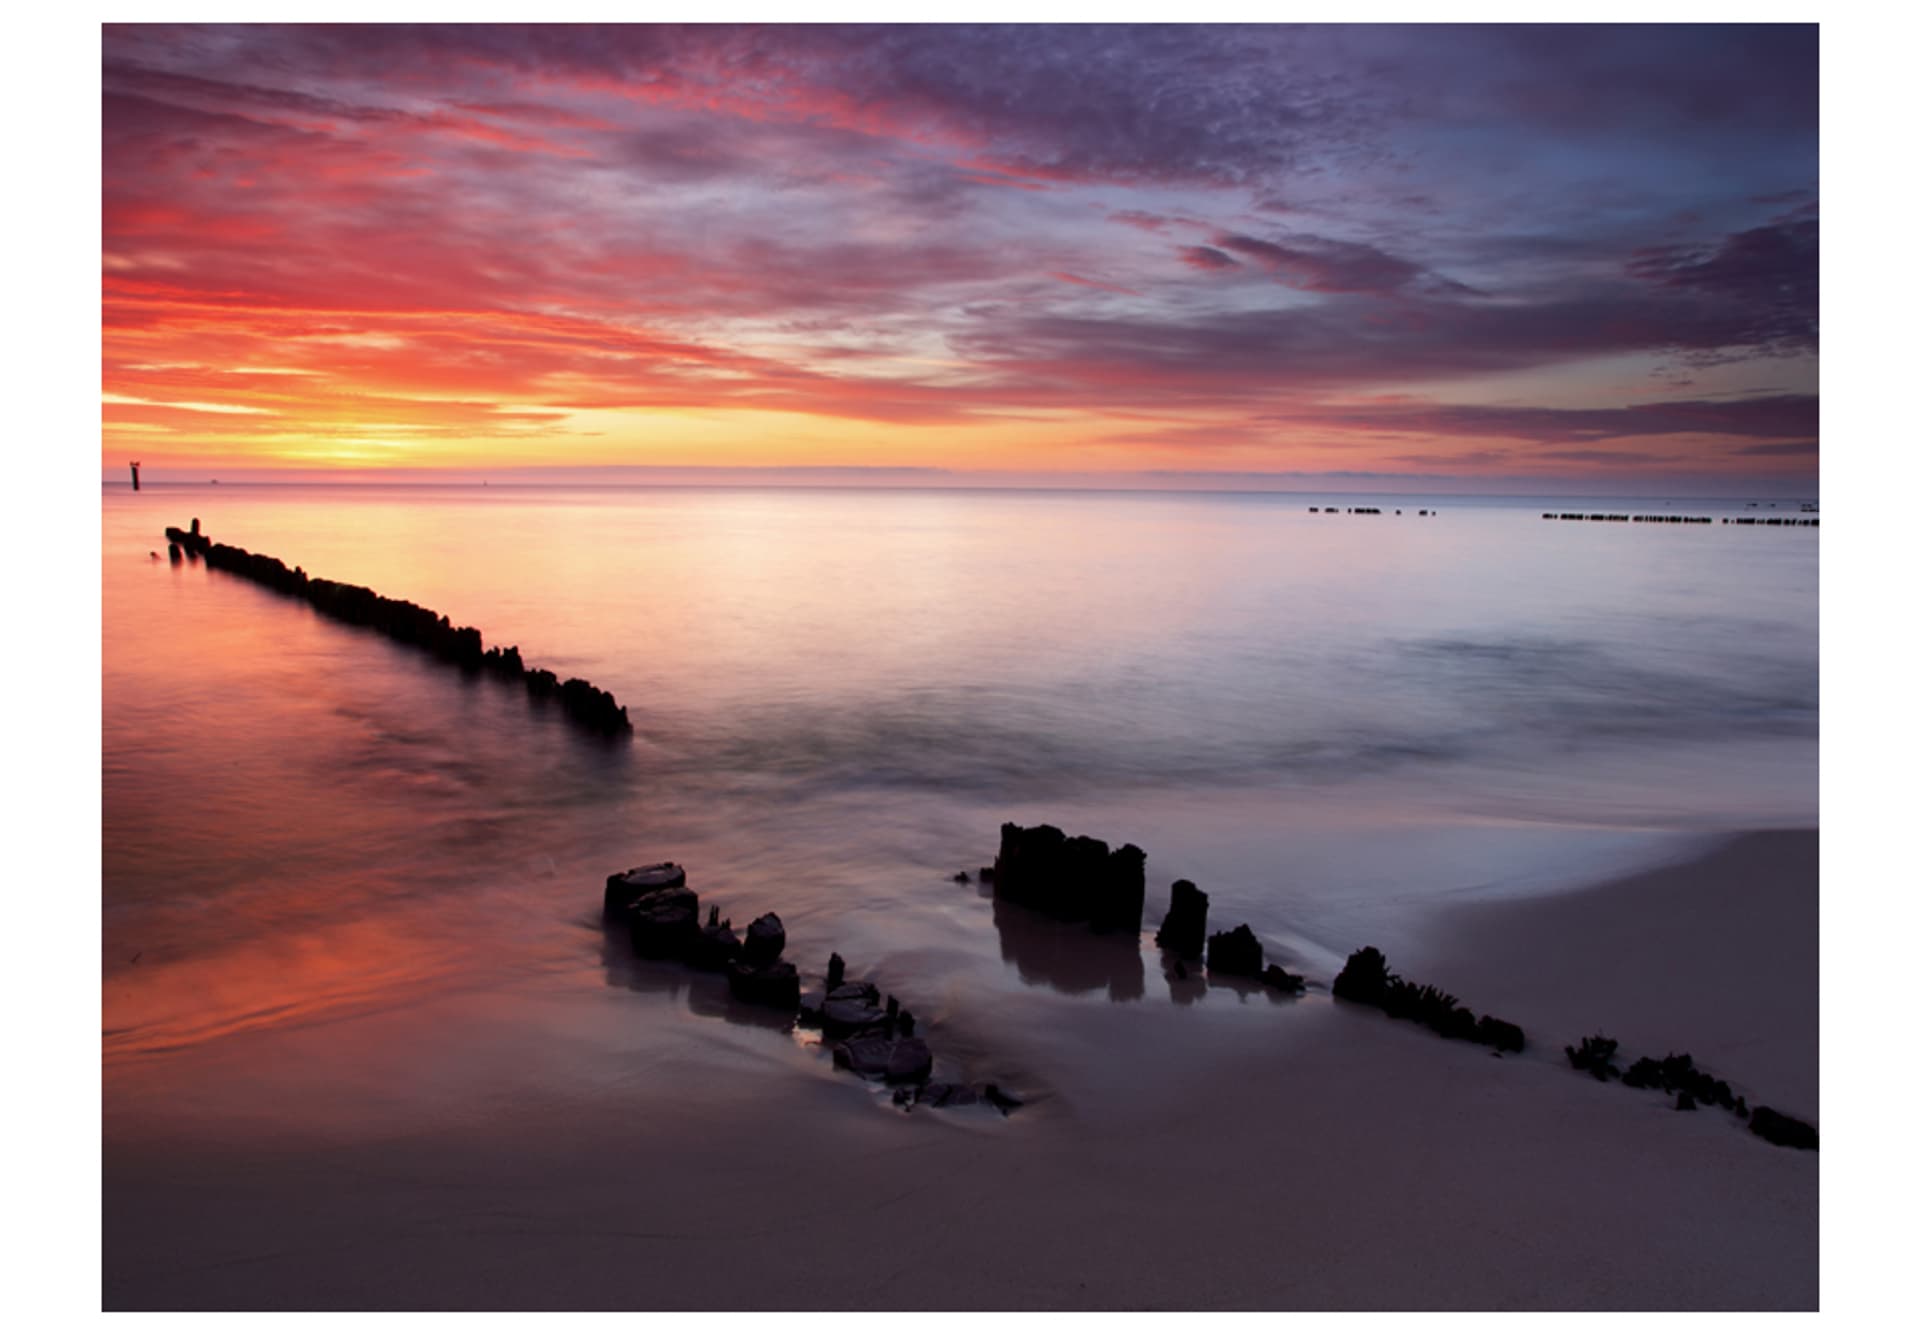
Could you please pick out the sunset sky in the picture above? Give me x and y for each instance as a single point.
(1576, 256)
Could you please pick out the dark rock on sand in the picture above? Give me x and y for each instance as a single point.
(1786, 1131)
(851, 1009)
(1675, 1074)
(877, 1056)
(911, 1061)
(1235, 953)
(942, 1095)
(665, 922)
(717, 945)
(1364, 979)
(1281, 980)
(776, 984)
(1122, 896)
(766, 938)
(623, 887)
(1500, 1035)
(1183, 930)
(1074, 879)
(947, 1095)
(1595, 1055)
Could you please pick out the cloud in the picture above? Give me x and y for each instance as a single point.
(1764, 416)
(1785, 449)
(904, 223)
(1606, 456)
(1770, 274)
(1318, 264)
(1206, 257)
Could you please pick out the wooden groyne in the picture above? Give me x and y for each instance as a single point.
(1362, 509)
(1078, 880)
(460, 646)
(1683, 518)
(868, 1038)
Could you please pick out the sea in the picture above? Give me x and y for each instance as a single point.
(1337, 724)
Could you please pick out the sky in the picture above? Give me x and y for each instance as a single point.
(1398, 256)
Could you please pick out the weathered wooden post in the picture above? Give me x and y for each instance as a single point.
(136, 475)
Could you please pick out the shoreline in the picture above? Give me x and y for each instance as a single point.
(1198, 1160)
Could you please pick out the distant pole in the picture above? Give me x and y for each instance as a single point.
(136, 475)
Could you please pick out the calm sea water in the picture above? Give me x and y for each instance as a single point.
(1330, 722)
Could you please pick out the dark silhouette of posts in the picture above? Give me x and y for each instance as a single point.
(136, 475)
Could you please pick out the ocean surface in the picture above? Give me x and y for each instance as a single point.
(1334, 724)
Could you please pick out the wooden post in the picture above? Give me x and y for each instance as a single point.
(136, 475)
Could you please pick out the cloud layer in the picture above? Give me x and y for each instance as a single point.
(1560, 251)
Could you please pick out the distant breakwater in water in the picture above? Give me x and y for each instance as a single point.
(584, 704)
(1685, 518)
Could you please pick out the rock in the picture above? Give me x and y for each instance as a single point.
(1501, 1035)
(876, 1056)
(1595, 1055)
(776, 984)
(1281, 980)
(716, 946)
(962, 878)
(866, 1054)
(911, 1061)
(1234, 953)
(986, 875)
(836, 971)
(948, 1095)
(844, 1015)
(812, 1009)
(1786, 1131)
(1685, 1102)
(1183, 930)
(1676, 1074)
(665, 923)
(1074, 879)
(1029, 863)
(765, 939)
(1364, 979)
(623, 887)
(1122, 894)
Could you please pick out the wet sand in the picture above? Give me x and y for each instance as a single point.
(537, 1149)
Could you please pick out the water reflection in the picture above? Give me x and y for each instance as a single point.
(1186, 981)
(1067, 957)
(707, 994)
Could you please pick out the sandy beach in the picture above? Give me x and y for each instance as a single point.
(528, 1150)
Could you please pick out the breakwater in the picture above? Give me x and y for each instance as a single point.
(660, 916)
(584, 704)
(1683, 518)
